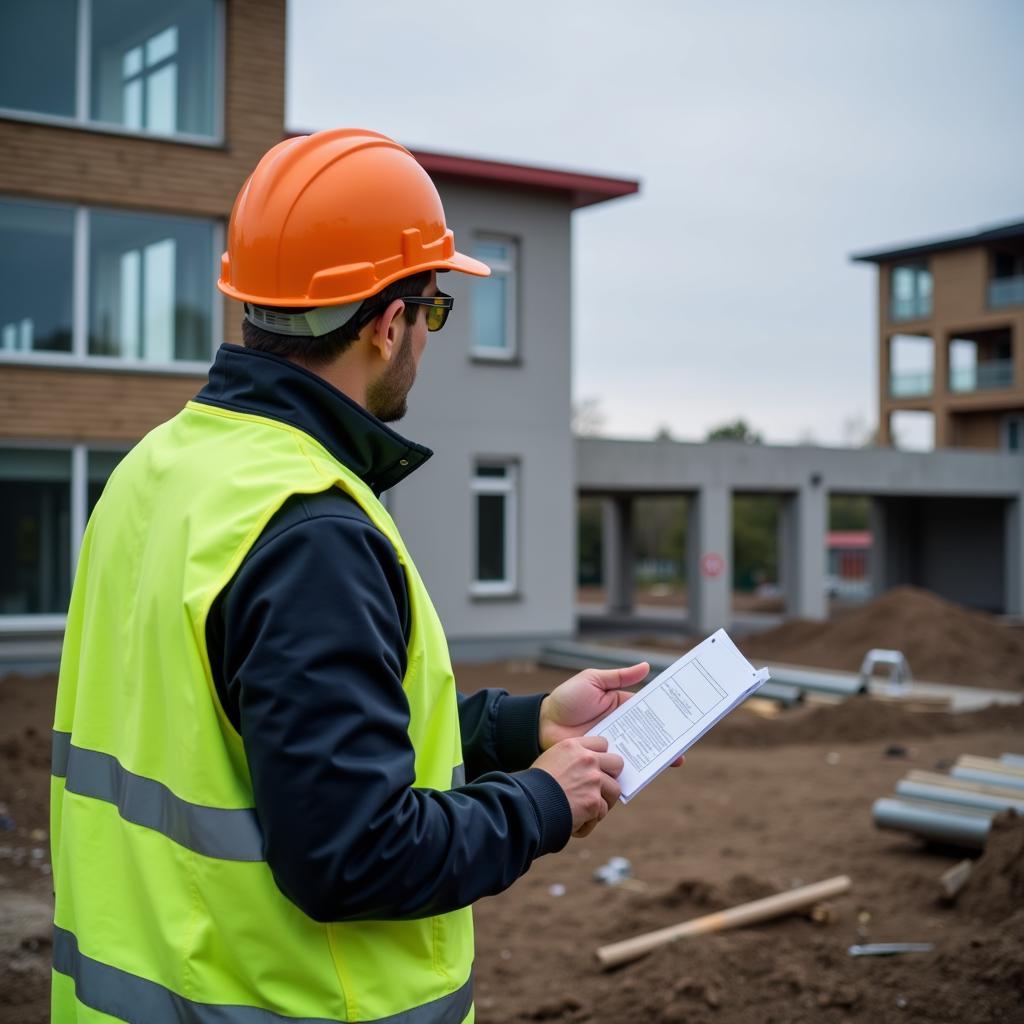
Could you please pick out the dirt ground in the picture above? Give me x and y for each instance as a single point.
(760, 805)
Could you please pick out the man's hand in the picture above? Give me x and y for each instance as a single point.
(574, 708)
(587, 773)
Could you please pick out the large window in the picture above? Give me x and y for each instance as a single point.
(35, 531)
(494, 498)
(98, 285)
(911, 287)
(36, 249)
(46, 495)
(494, 300)
(122, 64)
(911, 365)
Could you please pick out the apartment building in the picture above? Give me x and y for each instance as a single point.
(951, 341)
(126, 130)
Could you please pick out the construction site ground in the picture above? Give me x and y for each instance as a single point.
(760, 805)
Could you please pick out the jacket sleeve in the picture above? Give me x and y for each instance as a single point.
(499, 732)
(314, 656)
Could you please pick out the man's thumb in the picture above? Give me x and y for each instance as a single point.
(617, 678)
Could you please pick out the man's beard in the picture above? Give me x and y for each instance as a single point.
(386, 396)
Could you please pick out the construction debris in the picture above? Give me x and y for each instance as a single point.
(953, 879)
(890, 948)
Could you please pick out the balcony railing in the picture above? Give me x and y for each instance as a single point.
(997, 373)
(919, 307)
(1006, 291)
(911, 385)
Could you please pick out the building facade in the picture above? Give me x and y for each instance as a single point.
(126, 131)
(951, 331)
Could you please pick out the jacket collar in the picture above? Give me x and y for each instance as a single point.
(264, 385)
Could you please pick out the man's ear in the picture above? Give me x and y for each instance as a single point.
(387, 330)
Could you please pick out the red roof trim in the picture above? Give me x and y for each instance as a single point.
(583, 189)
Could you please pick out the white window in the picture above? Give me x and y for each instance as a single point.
(126, 289)
(116, 65)
(494, 489)
(494, 300)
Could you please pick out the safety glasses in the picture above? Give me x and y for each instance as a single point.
(438, 308)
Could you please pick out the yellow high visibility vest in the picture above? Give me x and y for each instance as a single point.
(165, 909)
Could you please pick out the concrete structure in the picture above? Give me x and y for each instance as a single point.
(952, 522)
(498, 552)
(115, 189)
(950, 336)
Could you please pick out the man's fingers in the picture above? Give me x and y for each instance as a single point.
(610, 791)
(678, 762)
(598, 743)
(610, 764)
(617, 678)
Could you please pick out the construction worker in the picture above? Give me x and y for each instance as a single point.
(269, 803)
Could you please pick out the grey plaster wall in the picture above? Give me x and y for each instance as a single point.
(466, 410)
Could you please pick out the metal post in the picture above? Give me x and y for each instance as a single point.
(617, 554)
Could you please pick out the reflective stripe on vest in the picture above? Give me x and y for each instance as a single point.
(211, 831)
(140, 1001)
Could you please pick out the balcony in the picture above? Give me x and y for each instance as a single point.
(916, 307)
(1006, 291)
(988, 376)
(911, 385)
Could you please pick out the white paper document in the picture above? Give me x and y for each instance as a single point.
(676, 708)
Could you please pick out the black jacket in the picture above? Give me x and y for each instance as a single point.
(308, 647)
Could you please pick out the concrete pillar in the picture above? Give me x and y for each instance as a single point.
(1014, 556)
(709, 559)
(617, 553)
(803, 523)
(878, 560)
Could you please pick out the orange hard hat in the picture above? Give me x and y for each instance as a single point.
(332, 218)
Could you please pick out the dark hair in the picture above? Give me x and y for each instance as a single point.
(327, 348)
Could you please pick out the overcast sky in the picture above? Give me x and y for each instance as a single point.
(771, 139)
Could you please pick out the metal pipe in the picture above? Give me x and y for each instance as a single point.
(931, 820)
(989, 764)
(1013, 760)
(959, 797)
(818, 680)
(948, 782)
(989, 778)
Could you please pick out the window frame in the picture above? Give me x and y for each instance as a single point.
(79, 357)
(508, 487)
(78, 485)
(508, 270)
(83, 91)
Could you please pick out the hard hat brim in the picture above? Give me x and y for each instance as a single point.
(458, 261)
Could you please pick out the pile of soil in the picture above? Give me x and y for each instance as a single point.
(943, 642)
(996, 886)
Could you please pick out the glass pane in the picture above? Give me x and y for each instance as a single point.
(491, 252)
(489, 319)
(169, 50)
(35, 537)
(162, 100)
(490, 551)
(35, 277)
(150, 294)
(100, 466)
(492, 471)
(37, 56)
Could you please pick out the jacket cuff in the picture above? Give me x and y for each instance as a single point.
(517, 731)
(552, 807)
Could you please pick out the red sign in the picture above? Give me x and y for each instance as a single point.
(712, 564)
